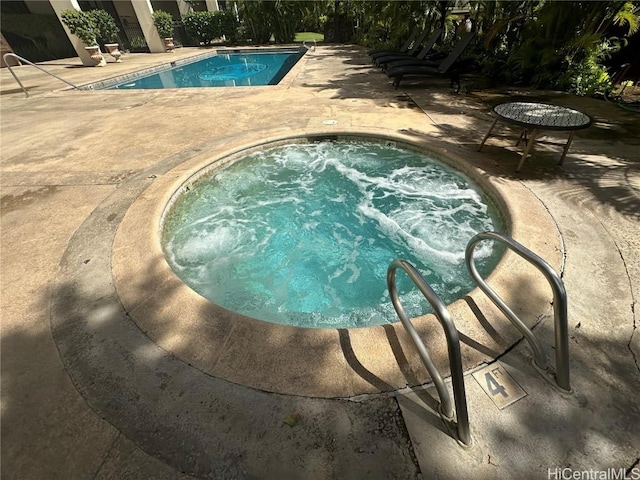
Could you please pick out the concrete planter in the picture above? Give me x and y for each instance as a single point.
(114, 51)
(96, 55)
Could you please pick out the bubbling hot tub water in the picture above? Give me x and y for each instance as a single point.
(303, 234)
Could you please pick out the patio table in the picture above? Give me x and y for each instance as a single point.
(537, 117)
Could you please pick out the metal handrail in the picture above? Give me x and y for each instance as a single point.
(21, 59)
(559, 304)
(315, 45)
(453, 345)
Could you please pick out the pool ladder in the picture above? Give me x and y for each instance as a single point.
(559, 377)
(312, 48)
(24, 60)
(453, 347)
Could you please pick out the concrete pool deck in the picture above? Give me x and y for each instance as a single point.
(87, 393)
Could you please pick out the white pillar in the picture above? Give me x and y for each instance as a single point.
(183, 7)
(61, 5)
(212, 5)
(143, 10)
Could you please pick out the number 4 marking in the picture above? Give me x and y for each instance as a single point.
(494, 386)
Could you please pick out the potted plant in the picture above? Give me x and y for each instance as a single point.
(107, 32)
(164, 25)
(81, 25)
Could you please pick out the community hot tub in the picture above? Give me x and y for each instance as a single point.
(302, 234)
(258, 341)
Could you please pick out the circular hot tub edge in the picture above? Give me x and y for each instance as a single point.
(323, 362)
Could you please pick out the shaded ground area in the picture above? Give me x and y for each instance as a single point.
(86, 393)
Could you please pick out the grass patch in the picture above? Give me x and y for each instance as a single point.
(309, 36)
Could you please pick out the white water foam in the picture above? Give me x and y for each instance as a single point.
(304, 233)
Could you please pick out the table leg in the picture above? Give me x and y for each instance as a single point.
(566, 147)
(532, 139)
(487, 135)
(522, 135)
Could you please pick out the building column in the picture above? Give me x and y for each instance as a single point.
(143, 10)
(183, 7)
(60, 6)
(212, 5)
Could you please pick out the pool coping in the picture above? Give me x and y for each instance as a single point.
(355, 362)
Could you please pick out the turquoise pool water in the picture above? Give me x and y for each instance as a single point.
(221, 70)
(303, 234)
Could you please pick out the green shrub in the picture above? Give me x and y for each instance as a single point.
(229, 25)
(82, 25)
(163, 22)
(587, 75)
(138, 44)
(106, 28)
(203, 26)
(589, 78)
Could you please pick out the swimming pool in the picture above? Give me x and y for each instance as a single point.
(223, 69)
(303, 234)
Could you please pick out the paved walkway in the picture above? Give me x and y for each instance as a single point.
(87, 394)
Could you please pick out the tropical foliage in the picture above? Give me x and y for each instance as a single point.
(547, 44)
(387, 24)
(229, 25)
(256, 27)
(281, 19)
(208, 26)
(552, 44)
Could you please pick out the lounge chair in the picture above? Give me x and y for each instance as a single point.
(405, 48)
(425, 57)
(429, 60)
(449, 66)
(409, 53)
